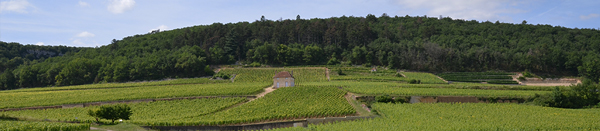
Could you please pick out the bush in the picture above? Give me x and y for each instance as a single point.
(221, 75)
(527, 74)
(384, 99)
(255, 64)
(339, 71)
(399, 75)
(400, 100)
(521, 78)
(413, 81)
(111, 112)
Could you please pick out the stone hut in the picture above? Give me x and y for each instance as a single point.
(283, 79)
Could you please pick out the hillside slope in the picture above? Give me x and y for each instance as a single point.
(414, 43)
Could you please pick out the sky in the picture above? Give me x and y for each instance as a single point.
(93, 23)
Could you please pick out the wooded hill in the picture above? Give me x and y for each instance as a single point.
(418, 43)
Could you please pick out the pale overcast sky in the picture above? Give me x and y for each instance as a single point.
(91, 23)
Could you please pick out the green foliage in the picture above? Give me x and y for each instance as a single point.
(41, 126)
(591, 67)
(528, 74)
(399, 75)
(468, 116)
(413, 81)
(384, 99)
(111, 112)
(221, 75)
(425, 78)
(340, 72)
(143, 112)
(502, 82)
(265, 75)
(281, 104)
(254, 64)
(429, 90)
(521, 78)
(489, 77)
(580, 96)
(412, 43)
(49, 98)
(7, 80)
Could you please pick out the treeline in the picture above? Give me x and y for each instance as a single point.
(414, 43)
(14, 54)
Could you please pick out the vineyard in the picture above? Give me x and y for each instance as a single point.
(466, 116)
(489, 77)
(9, 125)
(265, 75)
(145, 111)
(382, 75)
(48, 98)
(408, 91)
(426, 78)
(312, 97)
(455, 85)
(123, 85)
(284, 103)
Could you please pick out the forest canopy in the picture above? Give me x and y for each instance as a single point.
(418, 43)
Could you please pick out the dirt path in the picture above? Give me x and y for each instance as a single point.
(94, 128)
(267, 91)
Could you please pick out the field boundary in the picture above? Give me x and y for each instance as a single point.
(452, 99)
(115, 102)
(265, 125)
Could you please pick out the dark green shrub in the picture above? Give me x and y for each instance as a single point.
(221, 75)
(521, 78)
(413, 81)
(399, 75)
(339, 71)
(384, 99)
(255, 64)
(527, 74)
(400, 100)
(111, 112)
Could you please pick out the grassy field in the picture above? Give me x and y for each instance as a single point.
(313, 96)
(426, 78)
(489, 77)
(9, 125)
(265, 75)
(47, 98)
(122, 85)
(283, 103)
(142, 112)
(441, 92)
(457, 85)
(469, 116)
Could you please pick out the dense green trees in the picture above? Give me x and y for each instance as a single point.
(414, 43)
(111, 112)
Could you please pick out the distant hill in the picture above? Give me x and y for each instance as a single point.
(414, 43)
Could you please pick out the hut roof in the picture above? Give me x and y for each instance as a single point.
(283, 74)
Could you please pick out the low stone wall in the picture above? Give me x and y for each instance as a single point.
(336, 119)
(456, 99)
(551, 80)
(260, 126)
(31, 108)
(452, 99)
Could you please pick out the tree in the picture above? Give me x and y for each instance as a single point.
(111, 112)
(7, 80)
(591, 67)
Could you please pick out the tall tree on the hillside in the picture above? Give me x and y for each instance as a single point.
(591, 67)
(7, 80)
